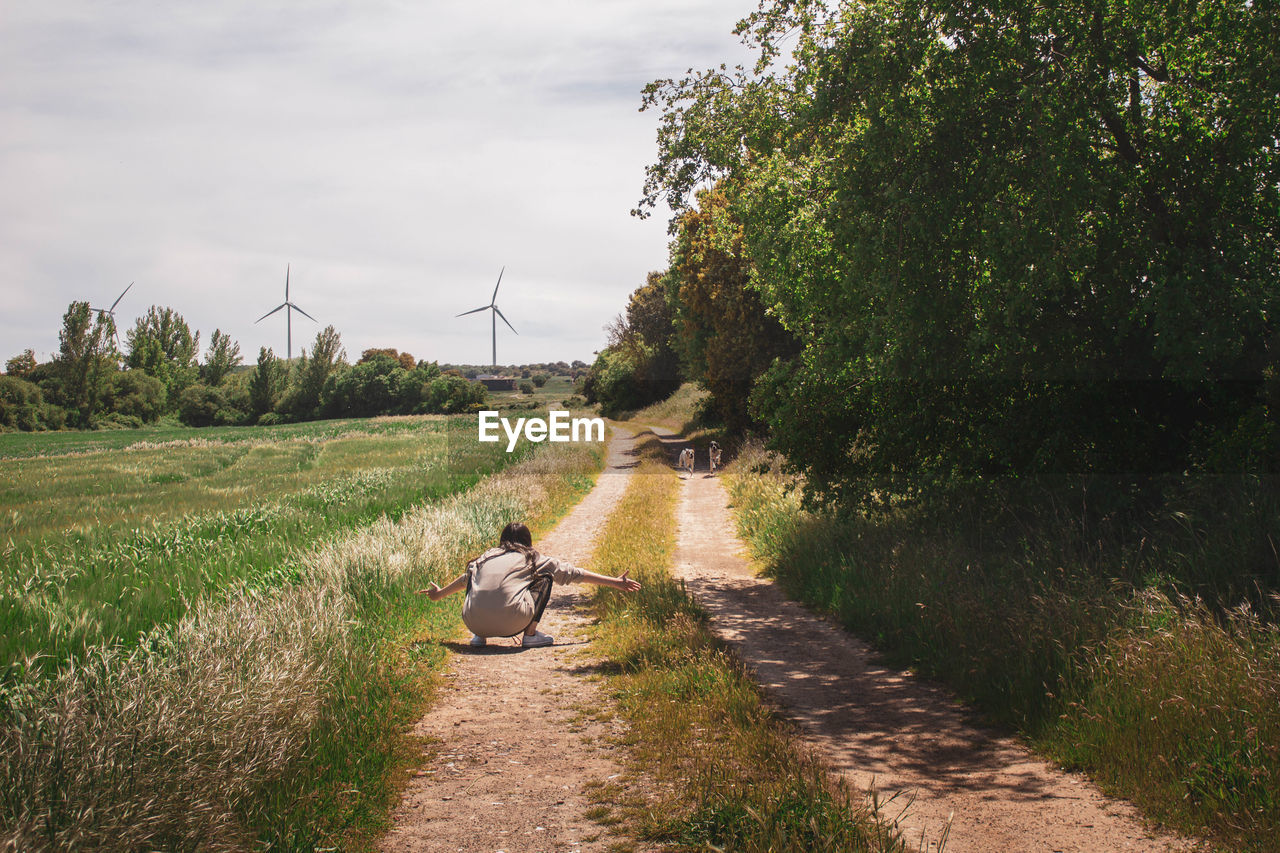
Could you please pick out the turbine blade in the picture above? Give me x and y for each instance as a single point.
(504, 319)
(286, 282)
(118, 298)
(269, 313)
(496, 286)
(474, 310)
(303, 313)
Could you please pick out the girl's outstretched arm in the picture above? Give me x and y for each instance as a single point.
(435, 593)
(621, 582)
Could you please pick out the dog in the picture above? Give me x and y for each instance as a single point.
(714, 452)
(686, 460)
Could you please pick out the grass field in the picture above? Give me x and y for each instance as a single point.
(549, 396)
(103, 544)
(285, 653)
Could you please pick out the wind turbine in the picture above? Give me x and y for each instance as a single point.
(493, 306)
(288, 314)
(111, 312)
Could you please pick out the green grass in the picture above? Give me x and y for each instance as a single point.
(729, 774)
(1078, 641)
(103, 546)
(550, 396)
(15, 445)
(270, 718)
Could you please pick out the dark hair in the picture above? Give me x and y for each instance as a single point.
(516, 533)
(516, 537)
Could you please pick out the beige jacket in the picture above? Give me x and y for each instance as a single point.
(499, 603)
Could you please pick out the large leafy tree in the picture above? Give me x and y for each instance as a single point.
(725, 334)
(313, 372)
(223, 356)
(267, 383)
(86, 362)
(162, 344)
(639, 365)
(1015, 238)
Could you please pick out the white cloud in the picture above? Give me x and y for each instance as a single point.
(397, 154)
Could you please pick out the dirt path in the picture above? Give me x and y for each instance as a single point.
(879, 726)
(514, 754)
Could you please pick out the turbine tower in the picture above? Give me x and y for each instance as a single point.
(111, 312)
(288, 314)
(493, 306)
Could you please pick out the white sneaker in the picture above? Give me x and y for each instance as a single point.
(537, 638)
(477, 640)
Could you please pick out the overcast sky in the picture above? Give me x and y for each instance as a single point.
(396, 154)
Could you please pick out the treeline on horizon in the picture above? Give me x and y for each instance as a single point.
(91, 384)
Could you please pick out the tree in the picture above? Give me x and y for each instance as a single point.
(222, 357)
(639, 365)
(86, 361)
(268, 382)
(304, 398)
(162, 344)
(726, 336)
(1042, 238)
(22, 406)
(21, 365)
(407, 361)
(369, 388)
(136, 394)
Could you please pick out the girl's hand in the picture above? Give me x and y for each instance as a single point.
(432, 592)
(627, 584)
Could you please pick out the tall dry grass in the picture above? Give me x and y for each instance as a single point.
(262, 718)
(1166, 700)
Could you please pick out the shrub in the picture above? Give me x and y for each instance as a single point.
(447, 395)
(135, 393)
(199, 405)
(20, 403)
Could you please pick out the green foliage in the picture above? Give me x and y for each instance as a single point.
(314, 371)
(404, 359)
(724, 334)
(615, 380)
(370, 387)
(162, 344)
(135, 393)
(540, 379)
(223, 355)
(85, 364)
(23, 407)
(202, 405)
(447, 394)
(639, 365)
(267, 383)
(526, 388)
(21, 365)
(1042, 239)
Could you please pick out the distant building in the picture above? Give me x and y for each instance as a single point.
(496, 383)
